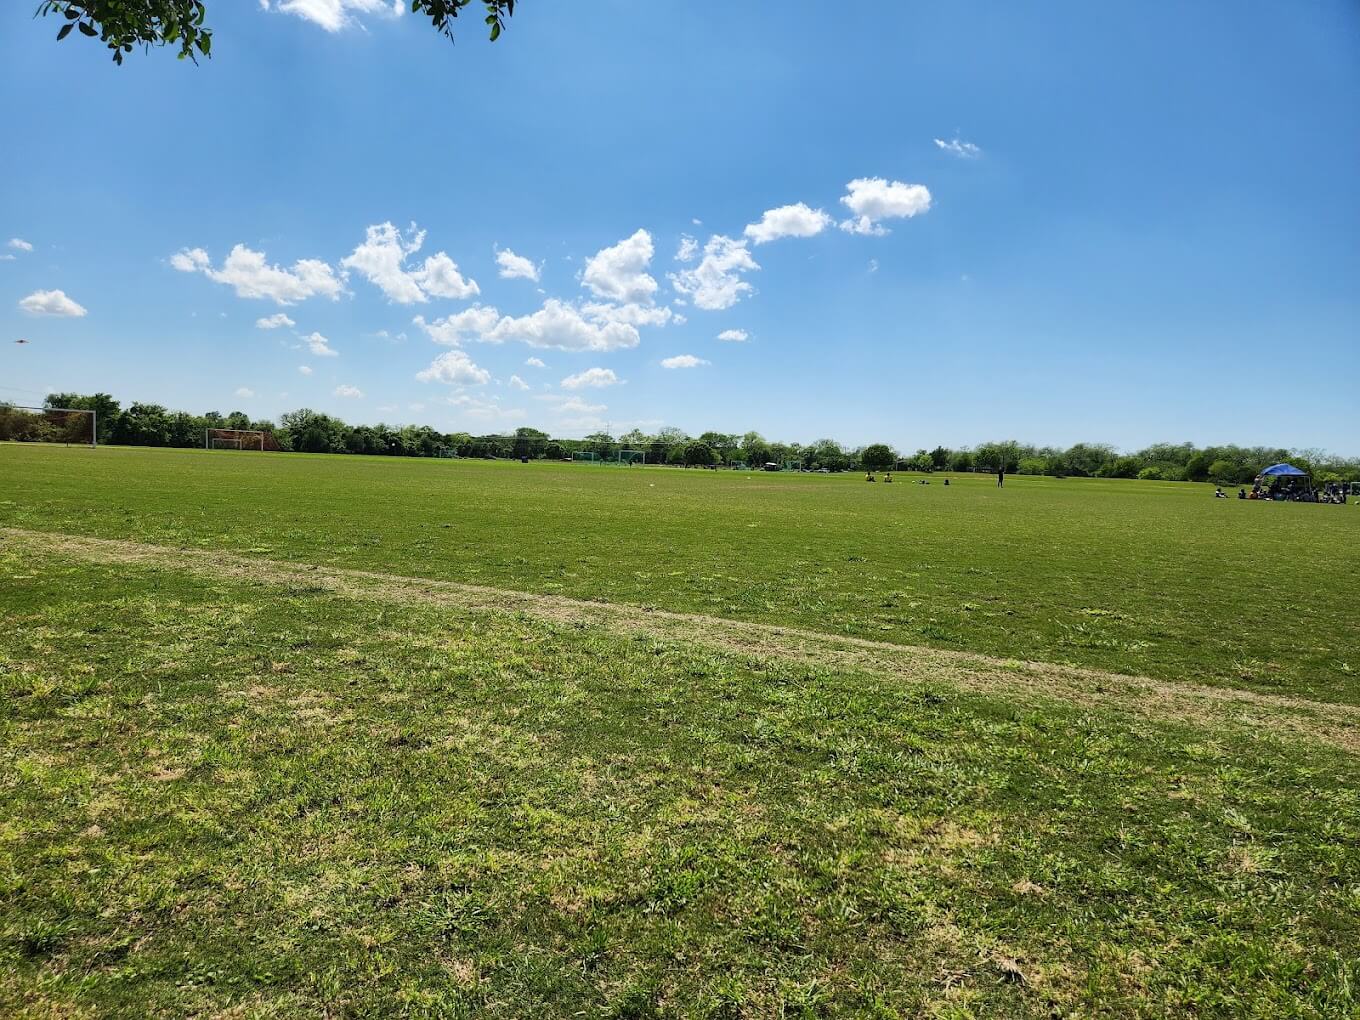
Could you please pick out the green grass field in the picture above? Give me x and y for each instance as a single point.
(326, 736)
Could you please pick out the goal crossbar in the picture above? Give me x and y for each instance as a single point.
(233, 439)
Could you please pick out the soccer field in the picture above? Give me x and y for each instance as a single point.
(286, 736)
(1149, 578)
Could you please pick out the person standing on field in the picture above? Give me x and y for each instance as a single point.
(1001, 476)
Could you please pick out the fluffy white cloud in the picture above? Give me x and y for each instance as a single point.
(632, 315)
(562, 326)
(320, 346)
(484, 408)
(516, 267)
(350, 392)
(872, 199)
(964, 150)
(683, 361)
(575, 405)
(469, 324)
(735, 336)
(535, 362)
(716, 283)
(618, 273)
(517, 383)
(381, 259)
(689, 248)
(253, 277)
(595, 378)
(245, 391)
(52, 302)
(797, 220)
(19, 244)
(454, 367)
(305, 369)
(274, 321)
(333, 15)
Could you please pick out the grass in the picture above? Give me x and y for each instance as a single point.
(270, 801)
(1148, 578)
(268, 793)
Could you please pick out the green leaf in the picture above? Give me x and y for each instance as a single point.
(65, 31)
(87, 29)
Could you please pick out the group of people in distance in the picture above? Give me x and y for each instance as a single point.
(887, 477)
(1288, 490)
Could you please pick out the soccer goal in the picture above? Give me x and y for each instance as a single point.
(587, 456)
(632, 457)
(236, 439)
(70, 426)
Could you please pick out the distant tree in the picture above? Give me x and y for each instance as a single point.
(1197, 468)
(940, 458)
(1032, 466)
(1224, 471)
(529, 442)
(878, 456)
(105, 409)
(962, 460)
(554, 451)
(123, 25)
(1151, 473)
(699, 454)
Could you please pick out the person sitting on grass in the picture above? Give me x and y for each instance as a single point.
(869, 476)
(888, 477)
(1219, 493)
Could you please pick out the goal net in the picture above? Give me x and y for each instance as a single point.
(632, 457)
(238, 439)
(588, 456)
(68, 425)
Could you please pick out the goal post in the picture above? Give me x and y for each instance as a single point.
(70, 426)
(238, 439)
(632, 457)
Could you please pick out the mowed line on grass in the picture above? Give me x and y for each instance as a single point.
(1291, 718)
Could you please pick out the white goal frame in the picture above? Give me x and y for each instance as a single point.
(641, 457)
(94, 420)
(215, 442)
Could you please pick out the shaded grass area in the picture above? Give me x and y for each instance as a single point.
(217, 796)
(1155, 579)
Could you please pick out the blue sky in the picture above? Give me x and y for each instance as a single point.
(1055, 222)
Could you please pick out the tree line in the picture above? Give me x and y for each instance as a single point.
(308, 431)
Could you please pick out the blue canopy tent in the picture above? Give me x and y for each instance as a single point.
(1285, 481)
(1283, 471)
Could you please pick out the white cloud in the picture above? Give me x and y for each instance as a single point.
(688, 249)
(516, 267)
(575, 405)
(305, 369)
(873, 265)
(350, 392)
(964, 150)
(320, 346)
(19, 244)
(617, 273)
(716, 283)
(487, 408)
(872, 199)
(252, 277)
(6, 257)
(631, 315)
(333, 15)
(381, 259)
(454, 367)
(561, 326)
(52, 302)
(683, 361)
(274, 321)
(736, 336)
(797, 220)
(245, 391)
(595, 378)
(517, 383)
(535, 363)
(469, 324)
